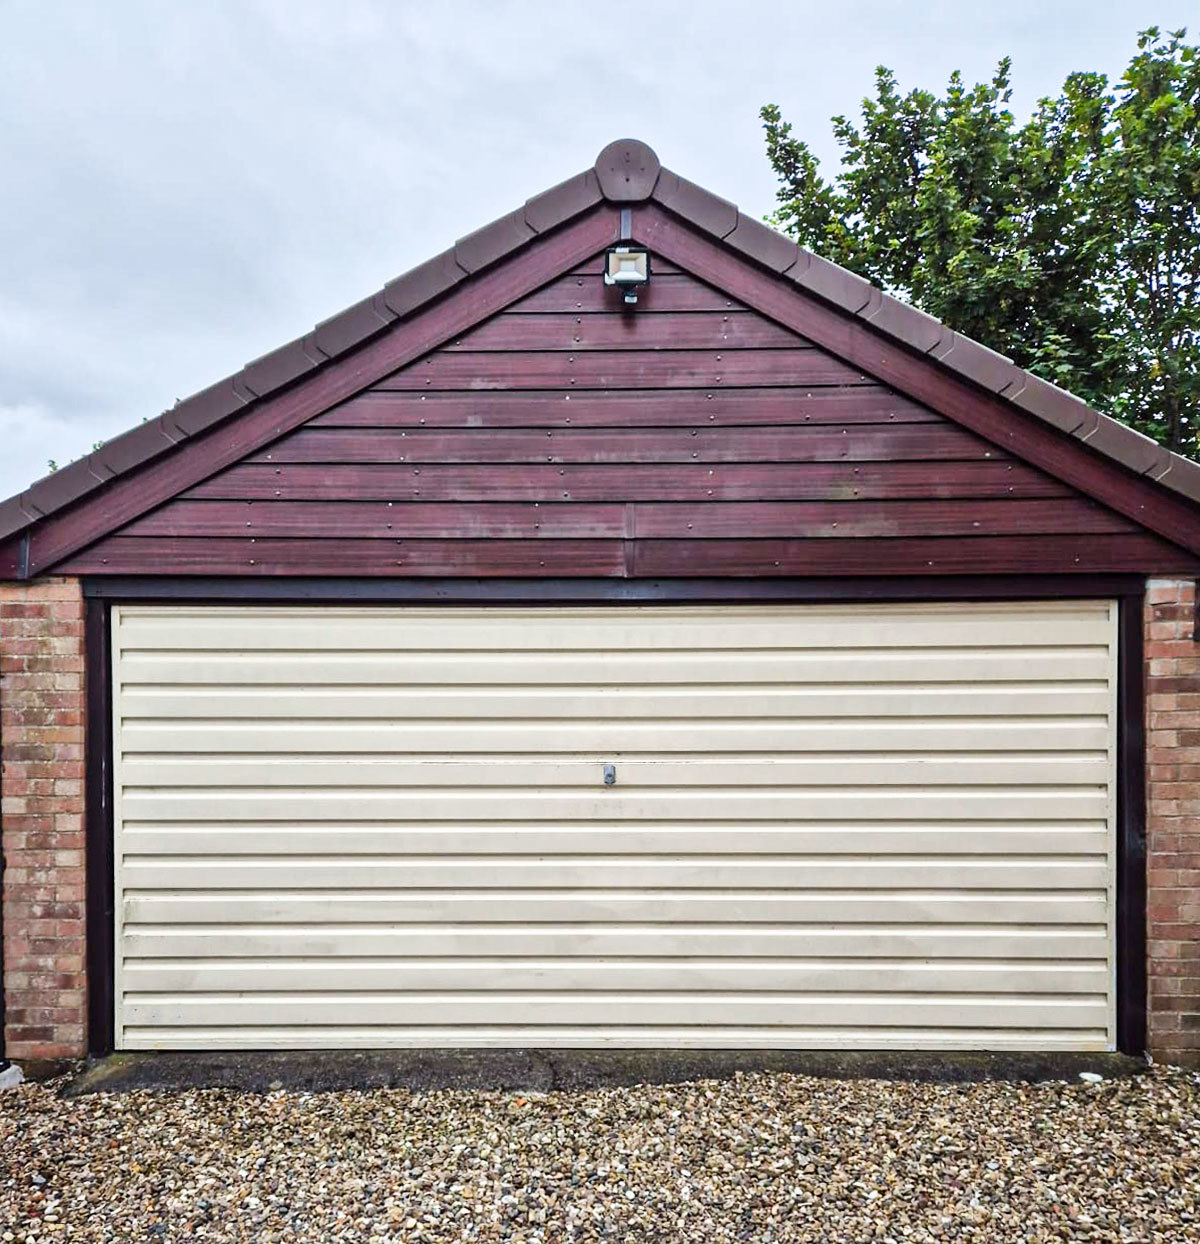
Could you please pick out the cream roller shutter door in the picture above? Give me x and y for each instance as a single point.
(855, 826)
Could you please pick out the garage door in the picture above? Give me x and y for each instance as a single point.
(869, 826)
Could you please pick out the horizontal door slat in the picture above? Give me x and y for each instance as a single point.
(669, 976)
(337, 737)
(613, 907)
(483, 1036)
(534, 804)
(679, 839)
(656, 701)
(666, 629)
(1016, 1011)
(331, 872)
(283, 770)
(499, 941)
(816, 666)
(613, 837)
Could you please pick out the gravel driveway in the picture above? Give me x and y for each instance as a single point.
(762, 1157)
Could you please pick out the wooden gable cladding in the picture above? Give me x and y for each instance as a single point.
(568, 435)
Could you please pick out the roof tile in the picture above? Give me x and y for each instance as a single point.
(762, 244)
(1183, 476)
(875, 297)
(627, 171)
(272, 371)
(1056, 406)
(913, 327)
(201, 410)
(706, 211)
(560, 203)
(60, 488)
(1128, 446)
(422, 283)
(826, 280)
(493, 241)
(99, 467)
(13, 517)
(343, 332)
(991, 370)
(132, 448)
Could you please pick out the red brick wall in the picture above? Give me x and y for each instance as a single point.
(1173, 824)
(41, 799)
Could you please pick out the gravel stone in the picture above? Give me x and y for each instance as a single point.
(764, 1157)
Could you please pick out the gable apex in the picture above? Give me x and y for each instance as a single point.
(627, 172)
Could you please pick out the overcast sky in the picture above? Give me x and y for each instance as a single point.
(187, 186)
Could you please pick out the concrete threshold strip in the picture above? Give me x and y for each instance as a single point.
(564, 1070)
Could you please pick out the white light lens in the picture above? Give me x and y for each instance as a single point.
(626, 267)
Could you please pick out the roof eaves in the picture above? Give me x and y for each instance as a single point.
(13, 515)
(58, 489)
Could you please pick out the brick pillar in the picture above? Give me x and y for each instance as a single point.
(1173, 823)
(42, 714)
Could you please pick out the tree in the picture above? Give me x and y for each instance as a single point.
(1070, 242)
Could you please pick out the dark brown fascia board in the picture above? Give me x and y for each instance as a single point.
(626, 171)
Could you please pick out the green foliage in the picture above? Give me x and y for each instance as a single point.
(1070, 242)
(52, 465)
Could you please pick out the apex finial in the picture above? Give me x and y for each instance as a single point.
(627, 171)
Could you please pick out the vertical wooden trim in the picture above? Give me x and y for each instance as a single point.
(116, 817)
(1131, 830)
(99, 828)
